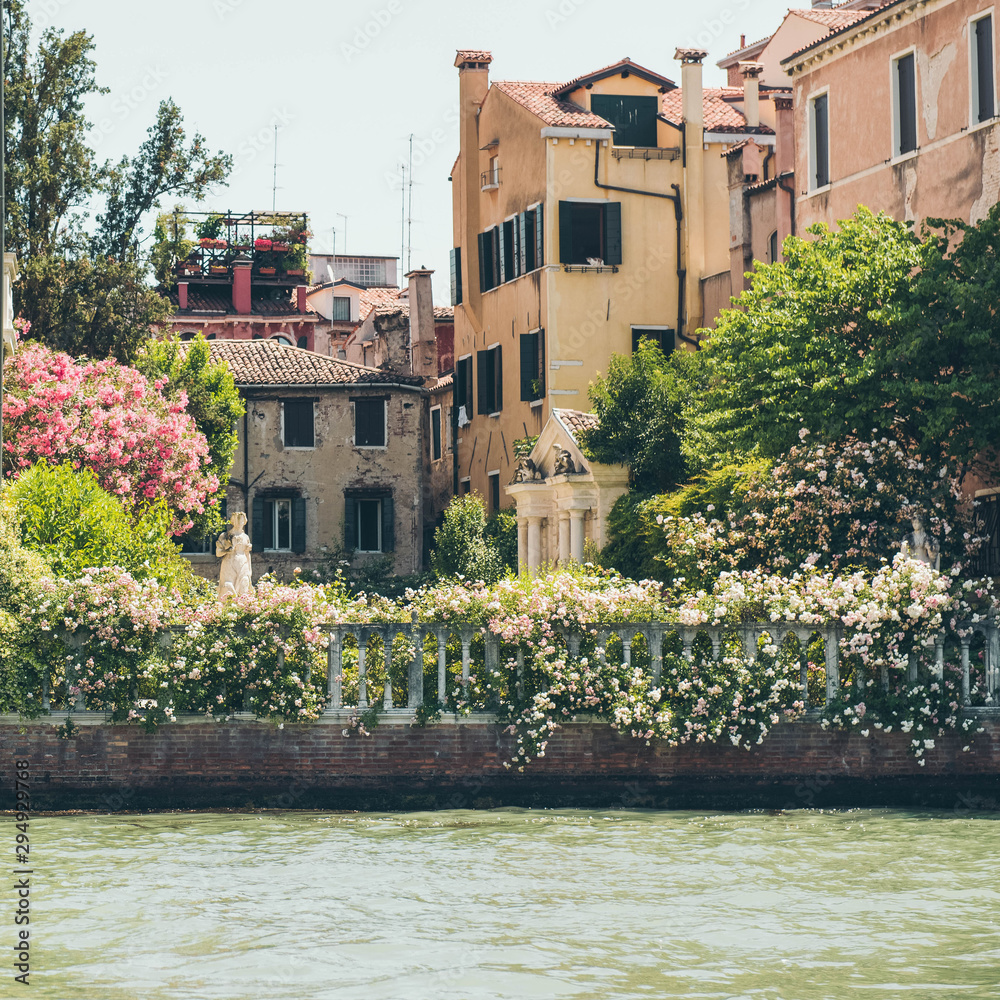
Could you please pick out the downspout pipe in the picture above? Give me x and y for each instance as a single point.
(791, 196)
(678, 218)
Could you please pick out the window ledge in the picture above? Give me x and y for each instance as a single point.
(569, 268)
(985, 124)
(819, 190)
(536, 403)
(299, 447)
(371, 447)
(903, 157)
(490, 187)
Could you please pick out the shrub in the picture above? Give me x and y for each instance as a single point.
(461, 548)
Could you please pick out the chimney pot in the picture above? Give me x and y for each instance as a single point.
(182, 295)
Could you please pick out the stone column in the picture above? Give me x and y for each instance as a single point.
(576, 534)
(534, 544)
(564, 543)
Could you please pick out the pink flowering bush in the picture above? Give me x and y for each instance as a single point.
(108, 418)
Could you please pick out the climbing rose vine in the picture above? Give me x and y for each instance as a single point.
(111, 419)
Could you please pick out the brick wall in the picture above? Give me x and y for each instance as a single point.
(452, 765)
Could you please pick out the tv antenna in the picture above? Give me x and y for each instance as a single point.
(409, 213)
(274, 181)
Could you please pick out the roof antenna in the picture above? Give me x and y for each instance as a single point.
(274, 182)
(409, 214)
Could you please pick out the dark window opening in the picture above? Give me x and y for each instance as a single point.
(435, 433)
(369, 423)
(369, 521)
(589, 232)
(906, 93)
(988, 513)
(200, 544)
(279, 524)
(983, 83)
(489, 373)
(532, 366)
(821, 141)
(298, 417)
(772, 247)
(456, 276)
(466, 486)
(463, 386)
(664, 339)
(303, 343)
(494, 492)
(634, 118)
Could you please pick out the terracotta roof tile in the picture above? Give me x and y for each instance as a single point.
(845, 26)
(720, 115)
(576, 420)
(266, 362)
(539, 100)
(834, 18)
(473, 55)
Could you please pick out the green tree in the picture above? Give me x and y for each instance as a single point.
(84, 294)
(461, 547)
(212, 400)
(869, 328)
(639, 406)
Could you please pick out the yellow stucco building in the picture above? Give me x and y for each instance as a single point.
(587, 214)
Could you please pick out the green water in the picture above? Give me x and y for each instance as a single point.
(514, 904)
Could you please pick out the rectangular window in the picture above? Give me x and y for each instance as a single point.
(369, 521)
(456, 276)
(463, 390)
(532, 366)
(489, 373)
(663, 337)
(341, 309)
(905, 101)
(988, 514)
(488, 263)
(539, 260)
(466, 487)
(494, 492)
(634, 118)
(297, 419)
(590, 232)
(369, 422)
(435, 433)
(981, 59)
(510, 259)
(819, 140)
(279, 524)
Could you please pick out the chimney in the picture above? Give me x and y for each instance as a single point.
(784, 165)
(241, 285)
(300, 298)
(423, 343)
(750, 71)
(692, 103)
(473, 83)
(182, 295)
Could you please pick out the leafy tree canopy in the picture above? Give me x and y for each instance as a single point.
(461, 545)
(84, 293)
(867, 329)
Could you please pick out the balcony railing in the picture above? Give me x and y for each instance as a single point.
(491, 179)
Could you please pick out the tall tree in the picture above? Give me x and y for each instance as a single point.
(85, 293)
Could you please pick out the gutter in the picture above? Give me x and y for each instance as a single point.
(330, 385)
(678, 218)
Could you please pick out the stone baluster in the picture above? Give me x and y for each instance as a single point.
(939, 657)
(656, 653)
(966, 699)
(334, 668)
(688, 636)
(831, 655)
(911, 667)
(884, 676)
(442, 638)
(520, 674)
(716, 636)
(362, 673)
(804, 677)
(415, 694)
(466, 645)
(626, 638)
(45, 691)
(602, 646)
(387, 650)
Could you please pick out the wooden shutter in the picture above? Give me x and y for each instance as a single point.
(482, 378)
(907, 90)
(497, 353)
(821, 140)
(485, 262)
(502, 247)
(258, 525)
(529, 364)
(613, 232)
(541, 363)
(456, 276)
(984, 66)
(388, 525)
(539, 243)
(523, 235)
(495, 251)
(298, 524)
(350, 523)
(566, 255)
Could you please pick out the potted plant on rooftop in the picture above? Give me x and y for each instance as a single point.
(296, 261)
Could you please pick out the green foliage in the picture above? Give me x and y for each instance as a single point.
(719, 490)
(209, 228)
(84, 292)
(66, 517)
(297, 259)
(212, 400)
(632, 547)
(523, 446)
(461, 547)
(639, 405)
(501, 533)
(171, 244)
(868, 328)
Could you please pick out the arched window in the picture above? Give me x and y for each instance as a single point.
(210, 336)
(282, 339)
(772, 247)
(188, 335)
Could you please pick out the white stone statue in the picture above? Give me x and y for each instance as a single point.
(233, 548)
(564, 464)
(918, 545)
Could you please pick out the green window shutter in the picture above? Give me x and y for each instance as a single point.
(502, 247)
(298, 524)
(633, 117)
(258, 525)
(350, 523)
(485, 261)
(613, 232)
(498, 378)
(388, 525)
(524, 234)
(495, 234)
(539, 243)
(566, 232)
(482, 380)
(541, 363)
(529, 365)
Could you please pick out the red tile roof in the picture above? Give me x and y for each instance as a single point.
(473, 55)
(840, 29)
(834, 18)
(266, 362)
(576, 420)
(625, 64)
(539, 100)
(720, 115)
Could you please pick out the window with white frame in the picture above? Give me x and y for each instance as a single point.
(819, 141)
(904, 104)
(369, 521)
(341, 309)
(982, 84)
(279, 523)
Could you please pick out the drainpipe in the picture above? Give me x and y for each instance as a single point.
(678, 218)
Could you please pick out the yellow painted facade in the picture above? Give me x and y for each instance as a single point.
(520, 151)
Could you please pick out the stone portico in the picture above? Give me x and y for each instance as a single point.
(559, 511)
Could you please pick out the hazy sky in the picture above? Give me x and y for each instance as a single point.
(346, 83)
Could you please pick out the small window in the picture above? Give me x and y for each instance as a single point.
(435, 433)
(456, 276)
(302, 343)
(661, 336)
(904, 81)
(341, 309)
(279, 524)
(282, 339)
(772, 247)
(981, 60)
(463, 389)
(590, 232)
(488, 263)
(988, 513)
(532, 366)
(489, 373)
(369, 524)
(466, 487)
(634, 118)
(819, 141)
(297, 415)
(494, 492)
(369, 423)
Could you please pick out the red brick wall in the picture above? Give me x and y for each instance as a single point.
(213, 765)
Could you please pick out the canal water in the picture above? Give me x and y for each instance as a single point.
(515, 904)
